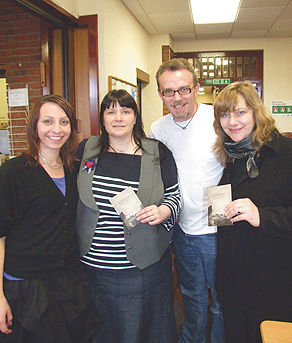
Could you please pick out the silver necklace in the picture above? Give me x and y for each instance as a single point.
(184, 127)
(122, 151)
(54, 166)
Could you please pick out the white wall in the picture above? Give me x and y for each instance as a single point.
(122, 41)
(124, 46)
(152, 108)
(277, 66)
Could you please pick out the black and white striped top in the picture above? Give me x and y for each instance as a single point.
(114, 172)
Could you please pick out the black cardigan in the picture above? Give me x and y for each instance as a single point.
(37, 220)
(254, 265)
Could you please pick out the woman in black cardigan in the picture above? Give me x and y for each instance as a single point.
(45, 296)
(254, 263)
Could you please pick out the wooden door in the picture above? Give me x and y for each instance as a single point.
(70, 57)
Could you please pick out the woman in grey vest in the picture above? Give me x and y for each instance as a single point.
(126, 250)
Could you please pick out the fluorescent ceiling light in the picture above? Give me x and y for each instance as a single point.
(214, 11)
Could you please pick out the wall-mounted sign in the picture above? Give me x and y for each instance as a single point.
(282, 107)
(218, 81)
(3, 104)
(18, 97)
(115, 83)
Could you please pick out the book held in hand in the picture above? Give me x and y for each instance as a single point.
(218, 198)
(127, 204)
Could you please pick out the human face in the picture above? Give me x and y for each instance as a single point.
(182, 107)
(240, 123)
(119, 121)
(53, 127)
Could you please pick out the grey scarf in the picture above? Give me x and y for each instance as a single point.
(243, 149)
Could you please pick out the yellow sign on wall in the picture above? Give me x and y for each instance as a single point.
(3, 104)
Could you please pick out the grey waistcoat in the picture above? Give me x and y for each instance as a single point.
(145, 244)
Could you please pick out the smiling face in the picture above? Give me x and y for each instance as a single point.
(119, 121)
(240, 123)
(53, 127)
(182, 107)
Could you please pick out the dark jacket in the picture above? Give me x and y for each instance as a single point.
(145, 244)
(254, 265)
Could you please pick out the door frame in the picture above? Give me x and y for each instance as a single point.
(53, 15)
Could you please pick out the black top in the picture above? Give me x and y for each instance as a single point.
(254, 264)
(37, 220)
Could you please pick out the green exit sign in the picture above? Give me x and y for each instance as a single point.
(218, 81)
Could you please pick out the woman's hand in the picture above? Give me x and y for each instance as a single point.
(153, 215)
(5, 316)
(243, 209)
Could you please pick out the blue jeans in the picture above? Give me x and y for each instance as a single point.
(196, 262)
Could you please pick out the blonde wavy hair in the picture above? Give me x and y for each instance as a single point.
(226, 101)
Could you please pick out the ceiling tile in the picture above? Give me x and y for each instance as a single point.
(175, 28)
(209, 36)
(173, 18)
(263, 3)
(183, 36)
(282, 25)
(248, 34)
(256, 19)
(133, 6)
(162, 6)
(287, 13)
(279, 34)
(146, 23)
(254, 25)
(211, 28)
(260, 14)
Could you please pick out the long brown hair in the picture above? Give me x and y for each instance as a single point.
(226, 101)
(67, 151)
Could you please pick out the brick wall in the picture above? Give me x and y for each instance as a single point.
(167, 54)
(20, 56)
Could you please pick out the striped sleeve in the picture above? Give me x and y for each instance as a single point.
(172, 196)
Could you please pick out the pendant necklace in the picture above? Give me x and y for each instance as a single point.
(183, 127)
(54, 166)
(123, 151)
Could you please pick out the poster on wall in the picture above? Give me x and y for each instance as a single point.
(115, 83)
(282, 107)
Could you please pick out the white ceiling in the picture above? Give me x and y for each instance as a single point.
(255, 19)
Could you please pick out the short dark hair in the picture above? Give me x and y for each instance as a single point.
(174, 65)
(67, 151)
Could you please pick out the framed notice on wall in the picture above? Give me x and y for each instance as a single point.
(115, 83)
